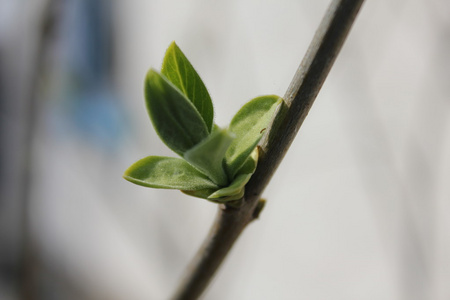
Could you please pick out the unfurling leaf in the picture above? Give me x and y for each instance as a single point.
(234, 189)
(249, 125)
(177, 68)
(175, 118)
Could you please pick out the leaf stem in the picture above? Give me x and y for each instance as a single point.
(300, 96)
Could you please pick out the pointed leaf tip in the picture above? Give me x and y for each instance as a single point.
(178, 70)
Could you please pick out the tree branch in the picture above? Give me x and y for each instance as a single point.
(313, 70)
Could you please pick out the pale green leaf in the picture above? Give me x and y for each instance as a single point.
(208, 156)
(234, 189)
(176, 120)
(229, 199)
(249, 125)
(167, 173)
(204, 194)
(200, 193)
(177, 68)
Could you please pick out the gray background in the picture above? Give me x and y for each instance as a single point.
(359, 208)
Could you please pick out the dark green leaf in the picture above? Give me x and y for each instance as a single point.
(177, 68)
(167, 173)
(176, 120)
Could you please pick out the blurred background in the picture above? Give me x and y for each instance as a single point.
(359, 208)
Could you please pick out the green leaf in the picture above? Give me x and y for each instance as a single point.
(176, 120)
(208, 156)
(249, 125)
(177, 68)
(167, 173)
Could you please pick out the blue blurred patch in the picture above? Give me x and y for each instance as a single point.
(88, 104)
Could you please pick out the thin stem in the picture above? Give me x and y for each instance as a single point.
(227, 227)
(300, 96)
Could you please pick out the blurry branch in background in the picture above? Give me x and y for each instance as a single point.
(45, 21)
(305, 86)
(21, 78)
